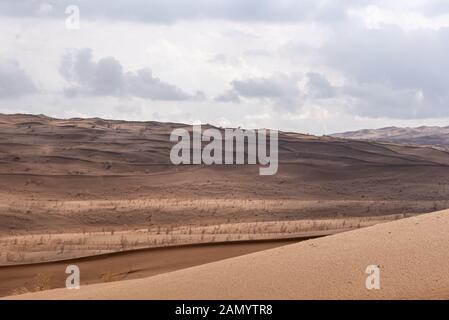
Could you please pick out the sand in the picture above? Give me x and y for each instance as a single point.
(412, 254)
(437, 137)
(130, 264)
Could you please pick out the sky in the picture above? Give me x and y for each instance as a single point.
(311, 66)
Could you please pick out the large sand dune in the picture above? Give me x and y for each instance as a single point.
(89, 174)
(412, 253)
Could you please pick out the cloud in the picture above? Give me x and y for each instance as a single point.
(107, 78)
(162, 11)
(14, 83)
(280, 89)
(318, 87)
(228, 96)
(224, 59)
(378, 100)
(392, 73)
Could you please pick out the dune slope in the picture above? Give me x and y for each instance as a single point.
(424, 135)
(412, 253)
(71, 175)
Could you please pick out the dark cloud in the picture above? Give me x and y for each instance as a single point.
(14, 82)
(107, 78)
(142, 84)
(318, 87)
(280, 89)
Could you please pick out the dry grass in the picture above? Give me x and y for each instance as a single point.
(38, 247)
(42, 282)
(18, 291)
(107, 276)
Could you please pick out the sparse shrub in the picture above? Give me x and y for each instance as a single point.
(18, 291)
(42, 282)
(10, 257)
(123, 241)
(107, 276)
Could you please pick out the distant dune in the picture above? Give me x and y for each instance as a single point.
(424, 136)
(95, 174)
(412, 255)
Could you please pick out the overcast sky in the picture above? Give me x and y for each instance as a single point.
(309, 66)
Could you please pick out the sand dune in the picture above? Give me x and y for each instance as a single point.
(58, 175)
(412, 254)
(434, 136)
